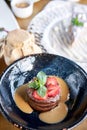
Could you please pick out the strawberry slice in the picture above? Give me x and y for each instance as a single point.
(53, 90)
(51, 80)
(36, 96)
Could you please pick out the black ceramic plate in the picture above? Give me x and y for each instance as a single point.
(24, 70)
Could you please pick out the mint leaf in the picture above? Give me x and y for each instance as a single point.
(76, 22)
(42, 91)
(34, 84)
(42, 77)
(38, 83)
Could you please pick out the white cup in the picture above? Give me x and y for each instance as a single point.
(22, 8)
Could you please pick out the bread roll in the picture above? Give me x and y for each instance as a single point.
(18, 37)
(19, 43)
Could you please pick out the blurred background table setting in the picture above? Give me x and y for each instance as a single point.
(52, 26)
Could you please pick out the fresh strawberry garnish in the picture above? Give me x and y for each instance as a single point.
(53, 90)
(44, 86)
(36, 96)
(52, 85)
(51, 80)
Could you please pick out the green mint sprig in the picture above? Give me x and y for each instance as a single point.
(38, 83)
(76, 22)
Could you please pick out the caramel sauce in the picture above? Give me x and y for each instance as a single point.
(55, 115)
(64, 90)
(22, 5)
(20, 98)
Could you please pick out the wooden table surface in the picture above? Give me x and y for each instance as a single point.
(4, 124)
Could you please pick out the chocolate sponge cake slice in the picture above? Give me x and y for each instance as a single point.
(44, 96)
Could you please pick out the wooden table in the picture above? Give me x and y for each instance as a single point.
(4, 124)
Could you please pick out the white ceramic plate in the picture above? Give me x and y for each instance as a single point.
(60, 42)
(7, 19)
(43, 24)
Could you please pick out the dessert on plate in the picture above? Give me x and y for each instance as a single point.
(44, 92)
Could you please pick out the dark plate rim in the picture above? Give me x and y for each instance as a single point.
(18, 124)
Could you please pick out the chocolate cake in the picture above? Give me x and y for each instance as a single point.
(49, 100)
(42, 105)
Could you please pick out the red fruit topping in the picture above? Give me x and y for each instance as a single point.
(35, 95)
(51, 80)
(53, 90)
